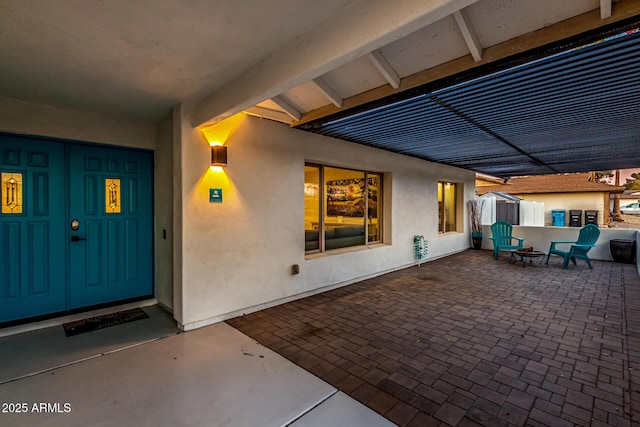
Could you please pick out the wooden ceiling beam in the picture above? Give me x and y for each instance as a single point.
(355, 29)
(605, 9)
(265, 113)
(385, 68)
(287, 108)
(469, 34)
(329, 92)
(621, 10)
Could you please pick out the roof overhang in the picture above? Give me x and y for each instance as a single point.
(568, 106)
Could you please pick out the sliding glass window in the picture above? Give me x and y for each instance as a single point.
(346, 210)
(312, 207)
(446, 207)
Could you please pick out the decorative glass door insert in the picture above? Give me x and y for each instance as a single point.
(112, 195)
(11, 193)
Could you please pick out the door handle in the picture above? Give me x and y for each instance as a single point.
(77, 238)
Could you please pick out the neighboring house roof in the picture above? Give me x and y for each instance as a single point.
(631, 195)
(560, 183)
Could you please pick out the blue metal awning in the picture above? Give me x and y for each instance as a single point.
(571, 112)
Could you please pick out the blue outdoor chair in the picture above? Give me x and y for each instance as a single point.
(586, 240)
(503, 239)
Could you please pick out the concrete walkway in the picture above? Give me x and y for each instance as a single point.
(144, 373)
(467, 340)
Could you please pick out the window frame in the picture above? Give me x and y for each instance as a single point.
(322, 203)
(442, 214)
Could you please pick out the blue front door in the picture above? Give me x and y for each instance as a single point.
(75, 226)
(110, 251)
(32, 229)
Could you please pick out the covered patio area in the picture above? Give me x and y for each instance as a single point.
(122, 127)
(466, 340)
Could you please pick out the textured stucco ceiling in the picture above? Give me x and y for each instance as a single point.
(140, 58)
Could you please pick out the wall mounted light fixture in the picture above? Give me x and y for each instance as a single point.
(218, 155)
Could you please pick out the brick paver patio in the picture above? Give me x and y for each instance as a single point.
(466, 340)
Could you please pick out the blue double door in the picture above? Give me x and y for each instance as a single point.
(76, 226)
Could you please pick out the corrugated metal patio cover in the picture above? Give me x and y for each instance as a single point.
(571, 112)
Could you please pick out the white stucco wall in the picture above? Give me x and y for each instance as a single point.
(237, 255)
(567, 202)
(28, 118)
(540, 238)
(163, 207)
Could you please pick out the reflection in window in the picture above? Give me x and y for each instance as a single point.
(351, 205)
(446, 207)
(345, 196)
(374, 185)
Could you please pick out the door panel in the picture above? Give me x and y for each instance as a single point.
(111, 196)
(45, 266)
(32, 229)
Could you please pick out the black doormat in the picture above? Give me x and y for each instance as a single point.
(101, 322)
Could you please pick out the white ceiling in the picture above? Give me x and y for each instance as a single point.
(140, 58)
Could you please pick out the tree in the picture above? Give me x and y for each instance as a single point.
(633, 183)
(604, 176)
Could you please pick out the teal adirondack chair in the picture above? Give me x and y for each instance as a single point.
(503, 239)
(586, 240)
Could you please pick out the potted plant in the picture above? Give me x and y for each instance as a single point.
(475, 208)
